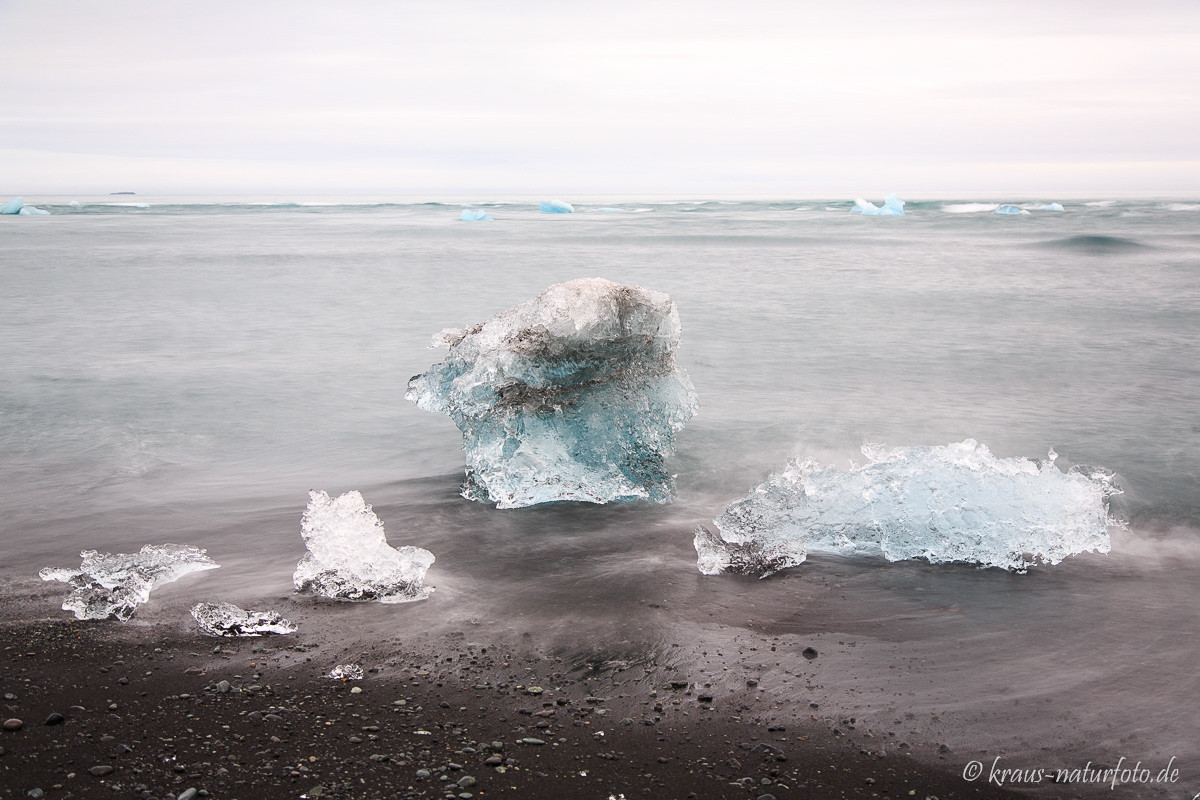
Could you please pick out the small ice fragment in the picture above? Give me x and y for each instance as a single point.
(955, 503)
(346, 672)
(226, 619)
(13, 206)
(108, 585)
(865, 207)
(893, 206)
(1009, 209)
(30, 211)
(73, 203)
(349, 558)
(1051, 207)
(556, 207)
(573, 395)
(475, 215)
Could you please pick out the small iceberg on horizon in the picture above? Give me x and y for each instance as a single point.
(1051, 207)
(226, 619)
(1009, 209)
(17, 206)
(475, 215)
(349, 558)
(952, 503)
(113, 585)
(556, 207)
(893, 206)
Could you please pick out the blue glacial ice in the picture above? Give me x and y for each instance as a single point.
(226, 619)
(556, 207)
(13, 206)
(349, 558)
(953, 503)
(113, 585)
(893, 206)
(475, 215)
(1051, 207)
(1009, 209)
(573, 395)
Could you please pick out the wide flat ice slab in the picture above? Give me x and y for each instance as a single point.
(113, 585)
(953, 503)
(349, 558)
(573, 395)
(226, 619)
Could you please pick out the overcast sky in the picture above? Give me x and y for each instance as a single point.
(800, 98)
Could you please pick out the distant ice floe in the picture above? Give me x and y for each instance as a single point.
(346, 672)
(17, 206)
(556, 207)
(475, 215)
(1051, 207)
(968, 208)
(952, 503)
(113, 585)
(226, 619)
(349, 558)
(573, 395)
(1009, 209)
(893, 206)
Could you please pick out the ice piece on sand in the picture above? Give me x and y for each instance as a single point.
(893, 206)
(1009, 209)
(953, 503)
(573, 395)
(346, 672)
(349, 558)
(30, 211)
(109, 585)
(556, 207)
(226, 619)
(475, 215)
(1051, 207)
(13, 206)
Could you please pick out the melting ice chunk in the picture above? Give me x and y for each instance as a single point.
(13, 206)
(109, 585)
(475, 215)
(1009, 209)
(1051, 207)
(30, 211)
(573, 395)
(346, 672)
(956, 503)
(349, 558)
(556, 207)
(893, 206)
(226, 619)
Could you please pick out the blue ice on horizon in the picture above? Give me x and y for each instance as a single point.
(573, 395)
(893, 206)
(1009, 209)
(475, 215)
(556, 207)
(1051, 207)
(952, 503)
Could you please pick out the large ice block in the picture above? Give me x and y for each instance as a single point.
(349, 558)
(13, 206)
(113, 585)
(573, 395)
(954, 503)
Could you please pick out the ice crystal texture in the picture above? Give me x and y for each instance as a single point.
(113, 585)
(349, 558)
(346, 672)
(573, 395)
(226, 619)
(954, 503)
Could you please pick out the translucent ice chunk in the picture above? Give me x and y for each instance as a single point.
(1009, 209)
(13, 206)
(956, 503)
(109, 585)
(1051, 207)
(349, 558)
(30, 211)
(573, 395)
(226, 619)
(556, 207)
(865, 207)
(346, 672)
(893, 206)
(475, 215)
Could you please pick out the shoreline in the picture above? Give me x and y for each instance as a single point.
(147, 701)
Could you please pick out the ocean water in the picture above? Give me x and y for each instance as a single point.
(186, 369)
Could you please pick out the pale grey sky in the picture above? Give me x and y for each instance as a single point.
(798, 98)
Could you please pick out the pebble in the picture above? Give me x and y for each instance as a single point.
(751, 682)
(255, 716)
(36, 793)
(188, 794)
(101, 770)
(766, 797)
(55, 719)
(356, 690)
(810, 653)
(224, 687)
(13, 724)
(423, 774)
(466, 782)
(531, 740)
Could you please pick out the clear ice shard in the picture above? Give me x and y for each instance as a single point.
(573, 395)
(475, 215)
(13, 206)
(556, 207)
(349, 558)
(346, 672)
(1009, 209)
(952, 503)
(893, 206)
(226, 619)
(113, 585)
